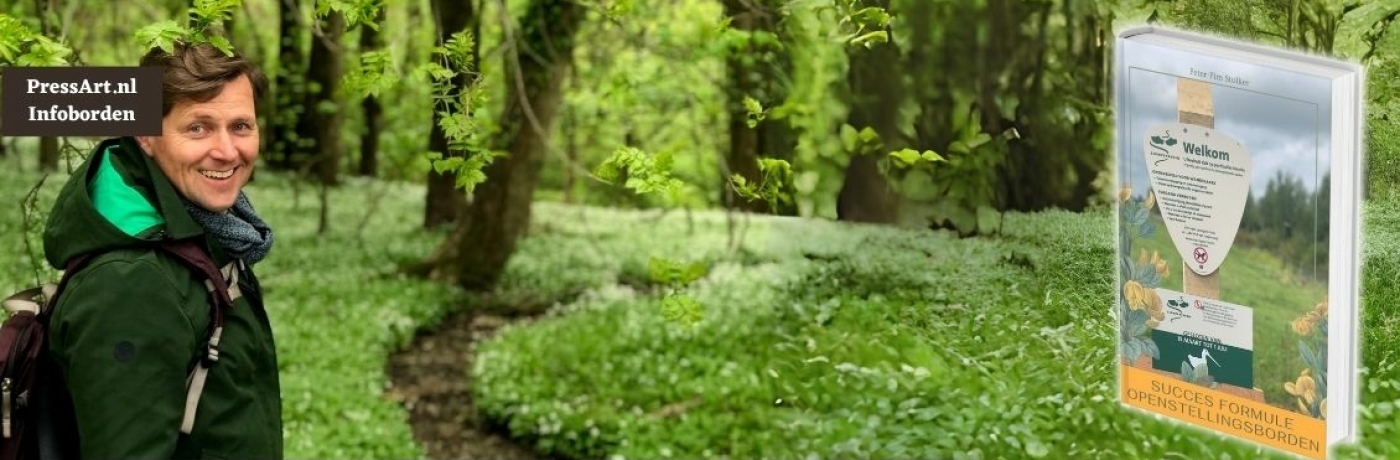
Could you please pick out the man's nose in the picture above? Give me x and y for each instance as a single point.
(223, 147)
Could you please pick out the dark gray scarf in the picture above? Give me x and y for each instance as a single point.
(240, 231)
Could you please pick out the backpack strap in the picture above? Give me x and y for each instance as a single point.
(221, 299)
(28, 334)
(40, 300)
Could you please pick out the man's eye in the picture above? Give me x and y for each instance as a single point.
(197, 128)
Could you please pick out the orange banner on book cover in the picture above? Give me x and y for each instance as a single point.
(1162, 394)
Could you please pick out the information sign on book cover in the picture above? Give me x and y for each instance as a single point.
(1238, 237)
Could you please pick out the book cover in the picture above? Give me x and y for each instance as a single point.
(1237, 237)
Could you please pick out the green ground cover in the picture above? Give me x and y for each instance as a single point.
(817, 339)
(823, 339)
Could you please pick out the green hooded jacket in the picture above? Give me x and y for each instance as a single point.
(129, 327)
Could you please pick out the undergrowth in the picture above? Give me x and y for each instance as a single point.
(817, 339)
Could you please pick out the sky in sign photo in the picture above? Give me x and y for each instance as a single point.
(1288, 134)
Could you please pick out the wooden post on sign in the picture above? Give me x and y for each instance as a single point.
(1195, 106)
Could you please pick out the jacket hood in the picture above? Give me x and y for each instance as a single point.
(117, 199)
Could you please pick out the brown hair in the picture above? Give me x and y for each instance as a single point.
(198, 72)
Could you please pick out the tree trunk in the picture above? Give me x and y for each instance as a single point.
(499, 214)
(327, 67)
(753, 71)
(3, 140)
(571, 154)
(778, 139)
(374, 113)
(289, 88)
(48, 154)
(876, 91)
(48, 146)
(445, 201)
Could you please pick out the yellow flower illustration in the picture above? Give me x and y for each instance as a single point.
(1305, 324)
(1152, 323)
(1304, 388)
(1136, 294)
(1123, 193)
(1163, 270)
(1154, 305)
(1142, 257)
(1151, 200)
(1322, 408)
(1302, 326)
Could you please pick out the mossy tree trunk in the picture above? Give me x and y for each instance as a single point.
(48, 154)
(289, 88)
(756, 69)
(326, 68)
(876, 91)
(444, 200)
(475, 254)
(372, 109)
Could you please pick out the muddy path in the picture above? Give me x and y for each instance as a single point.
(430, 379)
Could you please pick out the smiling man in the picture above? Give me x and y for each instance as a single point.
(134, 323)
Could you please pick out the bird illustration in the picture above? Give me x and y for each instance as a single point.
(1198, 362)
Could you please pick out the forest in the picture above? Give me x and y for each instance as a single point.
(713, 228)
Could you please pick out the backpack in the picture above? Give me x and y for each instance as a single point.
(35, 412)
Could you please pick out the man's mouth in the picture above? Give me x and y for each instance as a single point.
(218, 174)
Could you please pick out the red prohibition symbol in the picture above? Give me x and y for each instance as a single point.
(1200, 255)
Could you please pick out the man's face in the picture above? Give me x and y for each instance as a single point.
(208, 149)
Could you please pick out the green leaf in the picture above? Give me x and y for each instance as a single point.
(1147, 230)
(662, 162)
(438, 72)
(906, 157)
(162, 34)
(850, 138)
(222, 44)
(739, 182)
(469, 179)
(1037, 449)
(963, 218)
(1309, 357)
(1132, 350)
(868, 136)
(448, 164)
(755, 111)
(978, 140)
(44, 53)
(1137, 316)
(1137, 329)
(210, 12)
(931, 156)
(694, 272)
(607, 172)
(1139, 216)
(659, 270)
(871, 39)
(680, 308)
